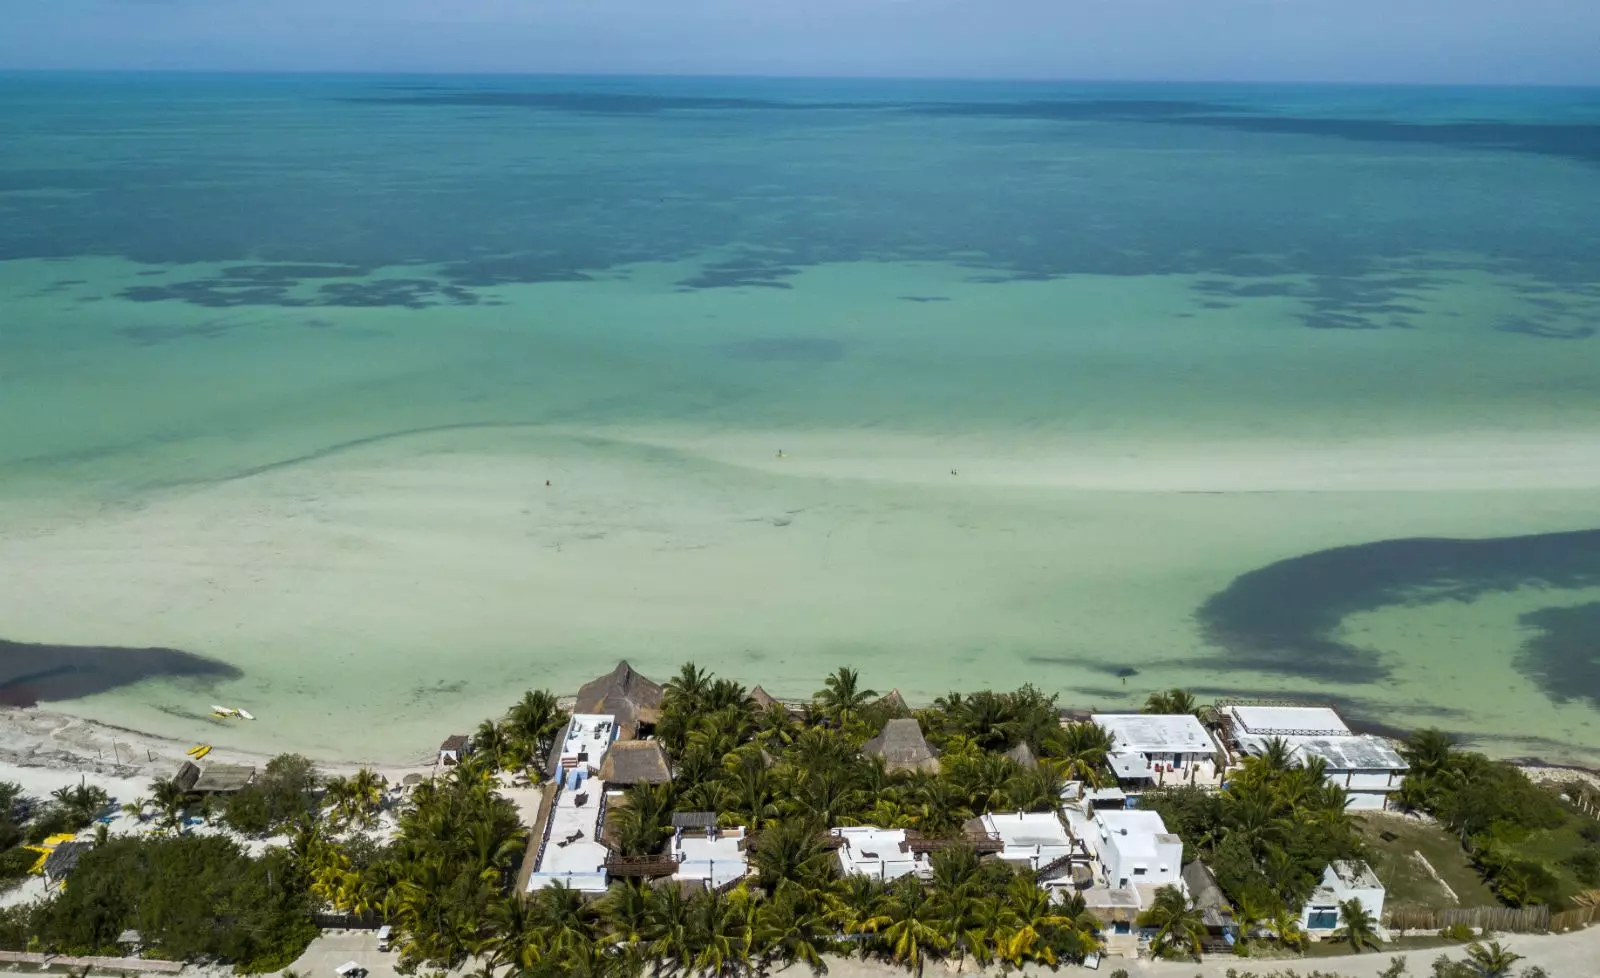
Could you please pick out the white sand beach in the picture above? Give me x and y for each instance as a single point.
(379, 598)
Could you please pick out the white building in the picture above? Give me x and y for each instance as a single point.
(1341, 881)
(882, 854)
(1157, 749)
(1134, 857)
(1365, 766)
(570, 852)
(707, 854)
(1033, 839)
(1135, 849)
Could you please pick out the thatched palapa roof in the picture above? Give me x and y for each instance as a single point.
(224, 778)
(894, 703)
(1023, 754)
(188, 774)
(903, 748)
(763, 699)
(635, 762)
(1215, 910)
(624, 694)
(63, 859)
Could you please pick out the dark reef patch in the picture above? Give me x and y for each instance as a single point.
(741, 272)
(229, 292)
(1545, 329)
(44, 673)
(786, 349)
(586, 103)
(1565, 656)
(925, 298)
(1285, 617)
(1575, 140)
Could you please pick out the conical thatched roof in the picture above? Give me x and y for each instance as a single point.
(1023, 754)
(763, 698)
(894, 702)
(903, 748)
(624, 694)
(635, 762)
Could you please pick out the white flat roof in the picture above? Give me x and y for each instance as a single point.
(1129, 764)
(589, 734)
(1156, 733)
(871, 842)
(1028, 828)
(1136, 821)
(1283, 720)
(718, 860)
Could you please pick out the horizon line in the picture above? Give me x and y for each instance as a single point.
(752, 76)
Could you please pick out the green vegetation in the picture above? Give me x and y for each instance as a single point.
(282, 796)
(189, 896)
(1357, 927)
(1528, 846)
(1392, 844)
(1267, 837)
(1177, 931)
(446, 880)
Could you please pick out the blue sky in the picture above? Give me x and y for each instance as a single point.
(1464, 41)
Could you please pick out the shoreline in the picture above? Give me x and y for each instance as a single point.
(37, 738)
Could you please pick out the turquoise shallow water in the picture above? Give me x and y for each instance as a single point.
(235, 308)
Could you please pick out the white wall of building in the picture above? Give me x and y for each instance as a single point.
(1320, 915)
(1136, 848)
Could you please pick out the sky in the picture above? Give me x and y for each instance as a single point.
(1363, 41)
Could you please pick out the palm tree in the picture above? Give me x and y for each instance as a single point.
(563, 917)
(856, 904)
(625, 912)
(640, 824)
(791, 851)
(791, 930)
(533, 725)
(1037, 922)
(1078, 928)
(683, 700)
(366, 795)
(1356, 926)
(337, 798)
(1491, 960)
(1284, 927)
(1036, 790)
(1085, 747)
(908, 925)
(1179, 931)
(670, 926)
(170, 800)
(717, 935)
(513, 938)
(750, 794)
(842, 697)
(1170, 702)
(83, 800)
(492, 744)
(1427, 752)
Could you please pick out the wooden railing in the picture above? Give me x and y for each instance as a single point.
(661, 864)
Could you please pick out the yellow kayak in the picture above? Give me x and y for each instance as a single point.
(202, 752)
(196, 749)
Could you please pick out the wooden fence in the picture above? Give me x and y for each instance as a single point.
(347, 921)
(131, 965)
(1509, 920)
(1574, 918)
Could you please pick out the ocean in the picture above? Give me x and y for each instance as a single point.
(367, 402)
